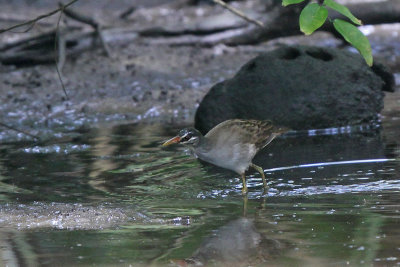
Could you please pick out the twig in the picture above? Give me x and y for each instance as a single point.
(16, 19)
(79, 17)
(61, 53)
(238, 13)
(103, 42)
(60, 47)
(18, 130)
(27, 29)
(37, 18)
(127, 12)
(92, 22)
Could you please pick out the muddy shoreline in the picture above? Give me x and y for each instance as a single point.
(142, 82)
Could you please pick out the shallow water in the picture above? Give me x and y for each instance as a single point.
(112, 196)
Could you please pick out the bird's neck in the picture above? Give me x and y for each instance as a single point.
(202, 146)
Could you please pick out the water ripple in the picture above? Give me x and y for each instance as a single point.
(342, 189)
(322, 164)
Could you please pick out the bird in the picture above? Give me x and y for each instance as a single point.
(231, 144)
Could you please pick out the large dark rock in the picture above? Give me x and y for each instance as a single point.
(299, 87)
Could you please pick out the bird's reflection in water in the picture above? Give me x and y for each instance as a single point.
(245, 203)
(237, 243)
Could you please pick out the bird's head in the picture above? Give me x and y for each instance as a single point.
(187, 136)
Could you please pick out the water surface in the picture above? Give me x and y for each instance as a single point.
(112, 196)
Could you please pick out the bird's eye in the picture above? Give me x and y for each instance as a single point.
(185, 138)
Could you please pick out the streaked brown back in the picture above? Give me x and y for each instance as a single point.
(256, 132)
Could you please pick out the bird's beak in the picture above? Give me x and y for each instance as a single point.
(173, 140)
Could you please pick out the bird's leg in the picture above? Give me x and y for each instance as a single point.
(261, 171)
(244, 188)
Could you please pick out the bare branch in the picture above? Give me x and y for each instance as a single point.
(239, 13)
(38, 18)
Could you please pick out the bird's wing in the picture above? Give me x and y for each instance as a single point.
(257, 132)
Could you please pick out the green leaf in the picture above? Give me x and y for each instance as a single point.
(312, 17)
(356, 38)
(342, 10)
(290, 2)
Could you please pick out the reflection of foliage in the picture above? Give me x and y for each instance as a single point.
(314, 15)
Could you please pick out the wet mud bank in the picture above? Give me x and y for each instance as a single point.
(146, 79)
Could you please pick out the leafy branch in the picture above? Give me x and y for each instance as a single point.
(314, 15)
